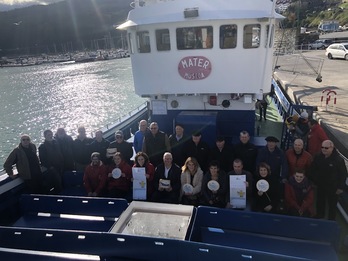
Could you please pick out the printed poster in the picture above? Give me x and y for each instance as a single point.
(139, 183)
(238, 191)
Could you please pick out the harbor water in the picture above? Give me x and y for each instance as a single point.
(48, 96)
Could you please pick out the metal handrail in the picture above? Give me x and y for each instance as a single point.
(121, 118)
(3, 174)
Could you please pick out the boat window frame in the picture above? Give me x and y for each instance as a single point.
(228, 43)
(130, 43)
(163, 40)
(250, 34)
(143, 41)
(269, 39)
(203, 39)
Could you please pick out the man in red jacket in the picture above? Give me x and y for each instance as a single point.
(298, 158)
(315, 137)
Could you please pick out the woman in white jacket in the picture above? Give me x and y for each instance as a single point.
(191, 182)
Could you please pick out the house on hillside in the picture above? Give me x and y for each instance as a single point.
(327, 26)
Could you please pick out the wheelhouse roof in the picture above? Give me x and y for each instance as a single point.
(204, 15)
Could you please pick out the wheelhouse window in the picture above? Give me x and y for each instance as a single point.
(163, 40)
(251, 36)
(194, 38)
(228, 36)
(143, 42)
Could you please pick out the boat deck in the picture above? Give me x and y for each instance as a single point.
(274, 123)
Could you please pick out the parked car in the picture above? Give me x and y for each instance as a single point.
(337, 50)
(320, 44)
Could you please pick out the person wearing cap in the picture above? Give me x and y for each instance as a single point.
(198, 149)
(328, 172)
(177, 143)
(139, 136)
(81, 149)
(27, 164)
(223, 153)
(298, 158)
(275, 158)
(122, 146)
(155, 144)
(316, 136)
(246, 151)
(95, 176)
(100, 145)
(301, 127)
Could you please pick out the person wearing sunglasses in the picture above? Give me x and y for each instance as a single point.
(328, 172)
(24, 156)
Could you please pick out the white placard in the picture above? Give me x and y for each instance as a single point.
(139, 183)
(159, 107)
(238, 191)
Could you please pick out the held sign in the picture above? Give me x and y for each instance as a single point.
(194, 67)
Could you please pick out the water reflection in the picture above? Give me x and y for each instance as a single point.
(55, 95)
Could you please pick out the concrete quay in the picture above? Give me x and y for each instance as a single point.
(298, 77)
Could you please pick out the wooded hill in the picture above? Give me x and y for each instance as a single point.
(73, 25)
(61, 27)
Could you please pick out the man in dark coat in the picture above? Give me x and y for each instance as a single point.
(329, 173)
(276, 159)
(82, 150)
(156, 143)
(66, 147)
(198, 149)
(27, 164)
(177, 144)
(52, 163)
(100, 145)
(223, 153)
(167, 181)
(246, 151)
(122, 146)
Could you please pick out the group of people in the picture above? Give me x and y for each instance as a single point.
(183, 169)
